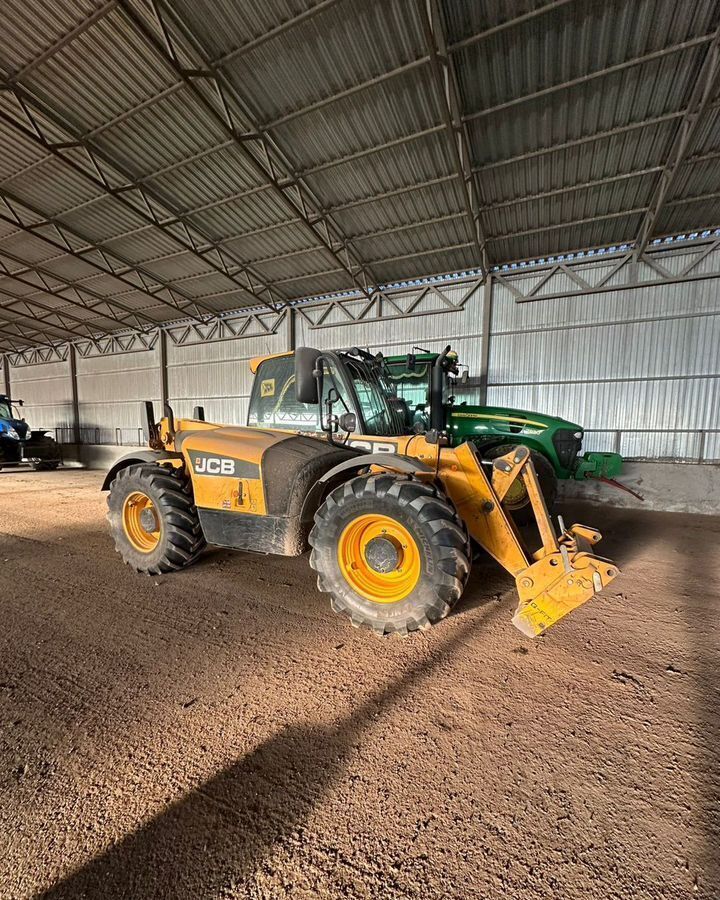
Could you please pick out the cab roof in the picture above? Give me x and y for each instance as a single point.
(256, 360)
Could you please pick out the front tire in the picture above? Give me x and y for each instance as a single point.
(46, 465)
(392, 553)
(153, 519)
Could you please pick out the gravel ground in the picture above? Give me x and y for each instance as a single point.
(221, 733)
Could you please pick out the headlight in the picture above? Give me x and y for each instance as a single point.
(11, 433)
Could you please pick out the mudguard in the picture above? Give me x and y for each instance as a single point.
(393, 462)
(138, 456)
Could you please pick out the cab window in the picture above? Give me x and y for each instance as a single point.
(273, 403)
(412, 386)
(373, 402)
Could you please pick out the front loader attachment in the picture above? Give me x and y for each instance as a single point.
(560, 581)
(552, 581)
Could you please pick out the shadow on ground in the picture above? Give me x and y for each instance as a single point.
(217, 836)
(696, 609)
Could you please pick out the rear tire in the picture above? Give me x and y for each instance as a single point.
(46, 465)
(413, 522)
(169, 537)
(521, 510)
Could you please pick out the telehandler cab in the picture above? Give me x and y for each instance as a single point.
(390, 532)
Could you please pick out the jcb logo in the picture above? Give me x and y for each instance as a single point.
(213, 465)
(375, 446)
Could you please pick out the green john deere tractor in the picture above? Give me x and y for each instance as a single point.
(426, 382)
(424, 385)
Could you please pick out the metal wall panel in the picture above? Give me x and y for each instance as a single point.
(642, 361)
(110, 393)
(217, 375)
(637, 367)
(47, 393)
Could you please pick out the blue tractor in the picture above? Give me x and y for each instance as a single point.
(19, 444)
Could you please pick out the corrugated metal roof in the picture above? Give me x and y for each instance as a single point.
(259, 152)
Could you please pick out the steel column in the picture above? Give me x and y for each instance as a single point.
(72, 359)
(485, 340)
(162, 347)
(291, 328)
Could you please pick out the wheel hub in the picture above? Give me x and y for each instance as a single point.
(382, 555)
(140, 522)
(379, 558)
(148, 520)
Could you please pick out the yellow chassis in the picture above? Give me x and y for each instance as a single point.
(551, 581)
(555, 579)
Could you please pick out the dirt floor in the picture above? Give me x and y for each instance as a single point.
(221, 733)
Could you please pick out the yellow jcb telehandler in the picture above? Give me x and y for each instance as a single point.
(391, 525)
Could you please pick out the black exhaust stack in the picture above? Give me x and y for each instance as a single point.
(437, 383)
(151, 433)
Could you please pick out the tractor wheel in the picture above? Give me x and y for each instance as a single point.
(517, 501)
(391, 551)
(153, 519)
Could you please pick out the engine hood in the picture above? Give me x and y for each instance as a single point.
(503, 418)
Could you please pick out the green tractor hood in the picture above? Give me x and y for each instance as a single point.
(557, 439)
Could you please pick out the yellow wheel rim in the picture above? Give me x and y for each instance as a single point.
(379, 558)
(516, 495)
(140, 522)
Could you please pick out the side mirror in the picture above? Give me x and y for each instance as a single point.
(410, 362)
(348, 422)
(306, 381)
(464, 377)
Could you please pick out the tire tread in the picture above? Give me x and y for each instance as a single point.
(438, 518)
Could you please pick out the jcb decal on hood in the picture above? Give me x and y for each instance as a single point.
(223, 466)
(375, 446)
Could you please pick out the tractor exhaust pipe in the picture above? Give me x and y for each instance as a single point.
(437, 410)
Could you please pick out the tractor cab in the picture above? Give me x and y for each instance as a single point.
(14, 432)
(334, 391)
(428, 383)
(12, 423)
